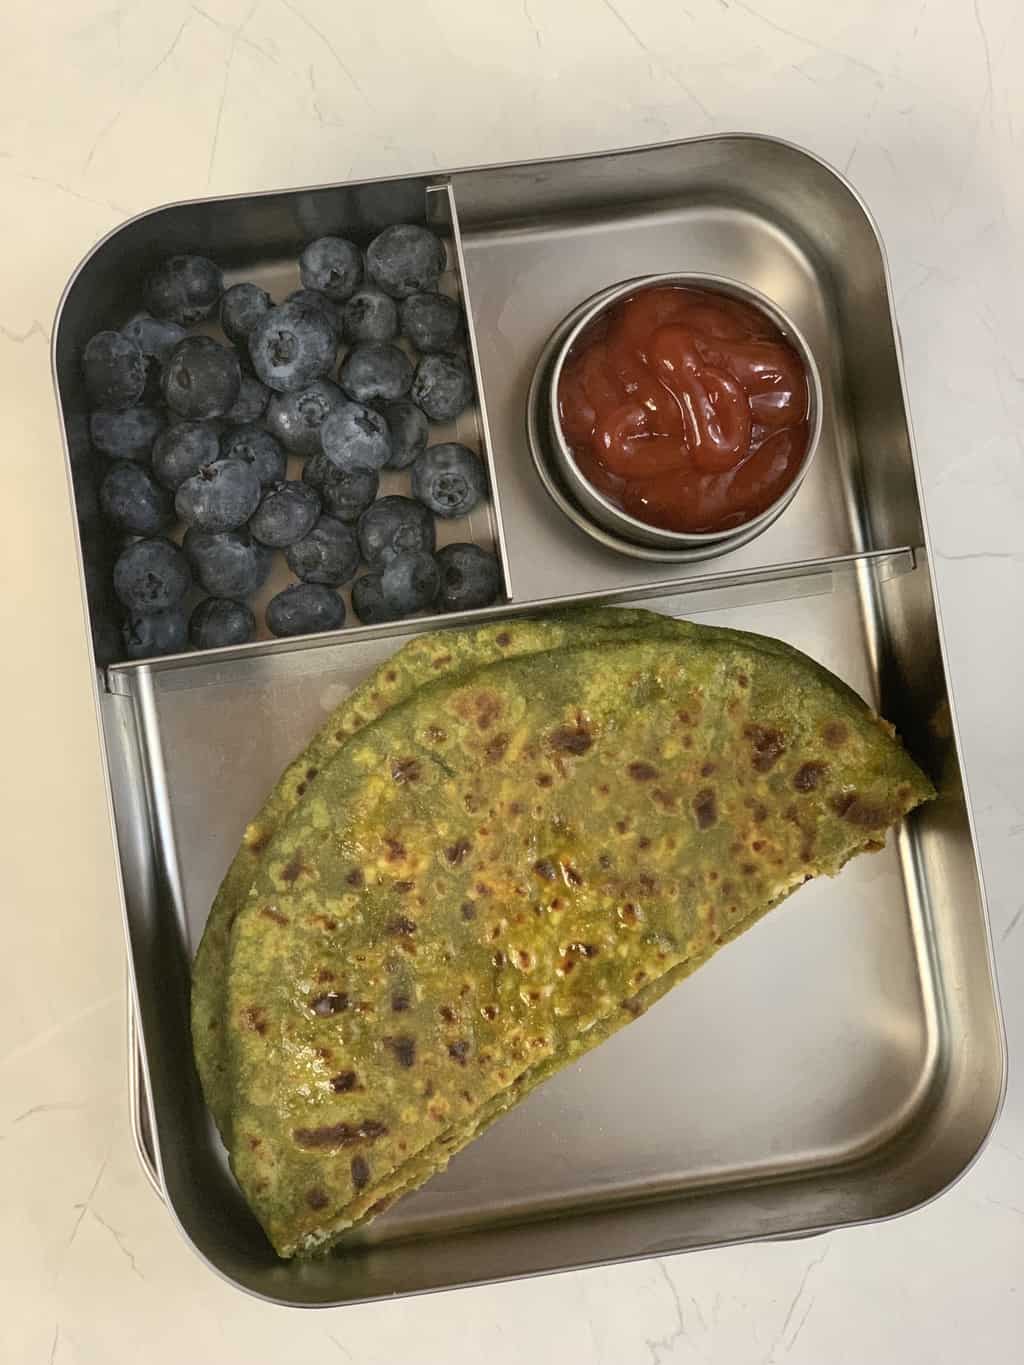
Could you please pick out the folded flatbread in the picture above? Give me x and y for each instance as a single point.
(490, 872)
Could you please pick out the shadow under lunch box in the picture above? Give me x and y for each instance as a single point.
(842, 1063)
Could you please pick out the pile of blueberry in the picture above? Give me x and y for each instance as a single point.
(198, 432)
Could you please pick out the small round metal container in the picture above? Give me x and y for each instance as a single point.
(597, 514)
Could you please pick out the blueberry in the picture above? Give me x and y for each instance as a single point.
(114, 370)
(409, 429)
(328, 554)
(375, 372)
(296, 418)
(346, 493)
(258, 449)
(292, 345)
(331, 310)
(228, 563)
(156, 632)
(442, 387)
(391, 525)
(410, 582)
(201, 378)
(449, 479)
(241, 308)
(133, 501)
(221, 497)
(250, 404)
(183, 289)
(470, 577)
(127, 435)
(432, 322)
(354, 435)
(156, 338)
(286, 512)
(368, 601)
(182, 450)
(332, 265)
(151, 575)
(405, 259)
(304, 609)
(369, 315)
(220, 621)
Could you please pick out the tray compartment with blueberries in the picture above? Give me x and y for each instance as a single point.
(276, 436)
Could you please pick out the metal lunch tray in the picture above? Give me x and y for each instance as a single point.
(842, 1062)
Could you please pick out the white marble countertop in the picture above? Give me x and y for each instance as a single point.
(108, 107)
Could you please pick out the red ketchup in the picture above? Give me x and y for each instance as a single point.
(686, 408)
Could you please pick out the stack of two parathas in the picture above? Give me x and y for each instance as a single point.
(505, 845)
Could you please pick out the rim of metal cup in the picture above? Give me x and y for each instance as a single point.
(540, 443)
(592, 504)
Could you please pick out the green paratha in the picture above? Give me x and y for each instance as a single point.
(502, 869)
(424, 660)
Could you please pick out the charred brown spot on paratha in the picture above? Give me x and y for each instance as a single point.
(642, 772)
(484, 707)
(468, 910)
(858, 810)
(272, 913)
(706, 769)
(395, 849)
(404, 1048)
(360, 1169)
(835, 734)
(495, 750)
(401, 924)
(339, 1134)
(435, 734)
(402, 888)
(808, 776)
(400, 1002)
(344, 1082)
(503, 639)
(571, 739)
(545, 868)
(405, 770)
(316, 1198)
(294, 869)
(254, 1018)
(455, 853)
(356, 877)
(705, 807)
(459, 1051)
(544, 779)
(768, 746)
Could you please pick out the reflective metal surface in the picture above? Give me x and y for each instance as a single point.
(544, 441)
(841, 1062)
(593, 505)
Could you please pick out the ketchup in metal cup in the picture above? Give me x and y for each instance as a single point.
(686, 408)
